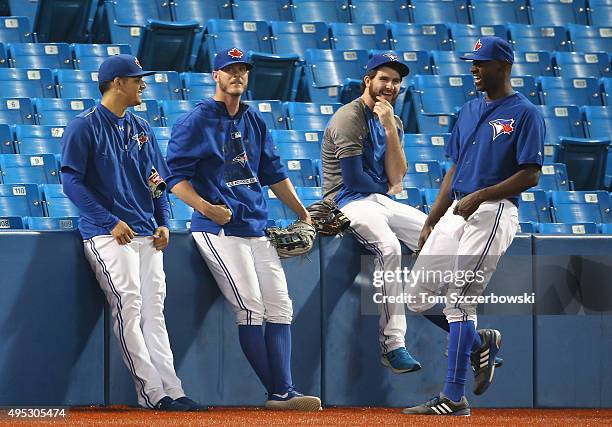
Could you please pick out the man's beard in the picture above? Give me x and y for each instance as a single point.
(373, 95)
(227, 88)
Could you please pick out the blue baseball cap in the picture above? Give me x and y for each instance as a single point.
(388, 59)
(491, 48)
(121, 66)
(231, 56)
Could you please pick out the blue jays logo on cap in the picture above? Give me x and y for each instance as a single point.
(231, 56)
(122, 65)
(491, 48)
(477, 46)
(235, 53)
(388, 59)
(502, 127)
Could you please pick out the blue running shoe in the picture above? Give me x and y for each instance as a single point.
(293, 401)
(483, 360)
(400, 361)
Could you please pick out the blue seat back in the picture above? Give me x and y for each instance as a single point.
(296, 37)
(533, 207)
(297, 136)
(150, 111)
(439, 11)
(448, 63)
(581, 206)
(591, 39)
(527, 86)
(20, 200)
(598, 121)
(424, 153)
(139, 11)
(410, 196)
(11, 223)
(379, 12)
(553, 178)
(601, 12)
(261, 10)
(309, 195)
(585, 161)
(17, 111)
(572, 228)
(491, 12)
(167, 45)
(39, 55)
(606, 90)
(569, 91)
(198, 85)
(327, 68)
(533, 63)
(555, 12)
(271, 111)
(91, 56)
(53, 224)
(444, 93)
(606, 228)
(533, 37)
(163, 85)
(202, 11)
(573, 64)
(63, 20)
(4, 60)
(359, 36)
(421, 36)
(465, 36)
(59, 111)
(276, 209)
(26, 83)
(77, 84)
(320, 11)
(426, 139)
(561, 121)
(35, 139)
(299, 150)
(425, 174)
(309, 116)
(180, 210)
(162, 135)
(179, 224)
(173, 109)
(15, 29)
(57, 203)
(6, 140)
(430, 195)
(273, 76)
(29, 168)
(301, 172)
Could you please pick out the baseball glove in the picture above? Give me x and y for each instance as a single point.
(327, 218)
(297, 239)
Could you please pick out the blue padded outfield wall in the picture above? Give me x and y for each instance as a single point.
(57, 346)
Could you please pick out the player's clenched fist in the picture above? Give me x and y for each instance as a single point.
(220, 214)
(384, 110)
(161, 237)
(122, 233)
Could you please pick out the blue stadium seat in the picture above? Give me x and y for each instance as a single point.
(299, 150)
(309, 195)
(77, 84)
(11, 222)
(550, 152)
(560, 122)
(56, 202)
(600, 12)
(39, 55)
(555, 12)
(276, 209)
(309, 116)
(553, 178)
(534, 63)
(17, 111)
(492, 12)
(590, 39)
(174, 109)
(162, 135)
(15, 29)
(533, 207)
(436, 99)
(379, 12)
(272, 113)
(320, 11)
(274, 76)
(6, 140)
(426, 139)
(23, 8)
(198, 85)
(163, 85)
(532, 37)
(423, 175)
(439, 11)
(20, 200)
(581, 206)
(296, 37)
(598, 121)
(464, 36)
(59, 111)
(180, 210)
(528, 227)
(53, 224)
(301, 172)
(297, 136)
(585, 160)
(410, 196)
(167, 45)
(91, 56)
(201, 11)
(4, 62)
(22, 83)
(328, 71)
(222, 34)
(448, 63)
(359, 36)
(573, 64)
(150, 111)
(606, 90)
(430, 195)
(63, 20)
(35, 139)
(569, 91)
(571, 228)
(179, 224)
(606, 228)
(261, 10)
(29, 168)
(527, 86)
(422, 153)
(421, 36)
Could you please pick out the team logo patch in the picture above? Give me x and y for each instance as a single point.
(141, 138)
(241, 158)
(138, 63)
(502, 127)
(391, 56)
(477, 46)
(235, 53)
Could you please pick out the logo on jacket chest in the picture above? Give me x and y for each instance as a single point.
(141, 138)
(241, 159)
(502, 127)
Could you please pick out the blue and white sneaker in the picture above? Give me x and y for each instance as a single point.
(441, 405)
(400, 361)
(293, 401)
(483, 360)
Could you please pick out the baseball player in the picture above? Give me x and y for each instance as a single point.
(113, 171)
(496, 147)
(220, 156)
(363, 163)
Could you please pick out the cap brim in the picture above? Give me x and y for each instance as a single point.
(475, 57)
(401, 68)
(248, 64)
(141, 74)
